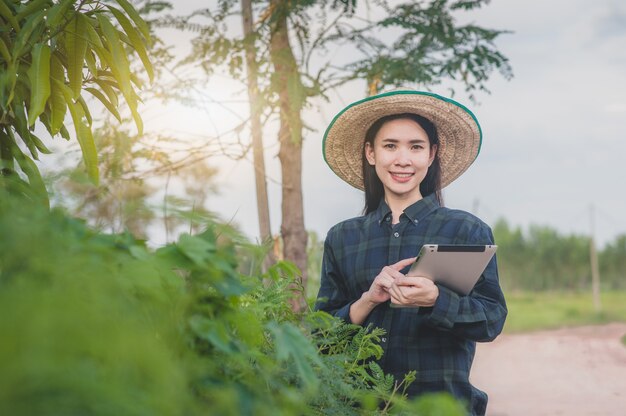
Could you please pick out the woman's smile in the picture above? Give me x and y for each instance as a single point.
(402, 177)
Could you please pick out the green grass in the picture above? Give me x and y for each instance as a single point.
(530, 311)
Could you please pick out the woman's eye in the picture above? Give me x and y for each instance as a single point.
(417, 147)
(389, 146)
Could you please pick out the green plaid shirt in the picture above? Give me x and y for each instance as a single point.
(438, 342)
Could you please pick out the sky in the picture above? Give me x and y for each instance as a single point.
(553, 148)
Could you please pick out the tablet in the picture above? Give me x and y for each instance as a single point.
(457, 267)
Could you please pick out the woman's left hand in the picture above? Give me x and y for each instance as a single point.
(413, 291)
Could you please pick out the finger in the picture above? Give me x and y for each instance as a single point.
(390, 272)
(396, 293)
(403, 263)
(407, 281)
(384, 281)
(417, 281)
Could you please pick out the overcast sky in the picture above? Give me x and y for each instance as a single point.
(553, 136)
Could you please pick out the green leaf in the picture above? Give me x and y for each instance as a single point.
(120, 68)
(76, 47)
(64, 133)
(230, 286)
(32, 6)
(134, 15)
(96, 93)
(118, 63)
(86, 111)
(20, 122)
(6, 154)
(8, 16)
(83, 135)
(195, 248)
(39, 75)
(108, 90)
(39, 144)
(56, 13)
(291, 345)
(34, 176)
(4, 51)
(8, 79)
(23, 37)
(92, 34)
(213, 332)
(90, 60)
(135, 40)
(57, 103)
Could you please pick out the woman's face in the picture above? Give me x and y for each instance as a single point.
(401, 155)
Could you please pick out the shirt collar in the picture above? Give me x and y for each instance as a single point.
(415, 212)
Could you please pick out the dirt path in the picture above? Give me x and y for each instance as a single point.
(577, 371)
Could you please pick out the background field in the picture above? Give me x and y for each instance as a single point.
(530, 311)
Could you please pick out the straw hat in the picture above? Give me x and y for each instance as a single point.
(459, 133)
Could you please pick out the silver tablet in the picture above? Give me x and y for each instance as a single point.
(457, 267)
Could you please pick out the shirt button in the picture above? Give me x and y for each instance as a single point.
(383, 339)
(396, 234)
(415, 221)
(388, 219)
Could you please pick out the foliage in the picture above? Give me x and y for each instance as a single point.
(50, 54)
(89, 322)
(99, 324)
(129, 165)
(612, 261)
(314, 251)
(427, 46)
(541, 259)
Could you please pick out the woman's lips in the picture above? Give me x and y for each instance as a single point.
(402, 176)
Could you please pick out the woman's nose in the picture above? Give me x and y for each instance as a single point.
(403, 158)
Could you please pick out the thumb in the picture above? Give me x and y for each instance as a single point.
(403, 263)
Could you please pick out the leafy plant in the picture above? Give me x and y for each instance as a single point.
(99, 324)
(50, 54)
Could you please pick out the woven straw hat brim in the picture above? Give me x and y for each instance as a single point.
(460, 136)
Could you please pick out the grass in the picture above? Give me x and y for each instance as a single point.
(547, 310)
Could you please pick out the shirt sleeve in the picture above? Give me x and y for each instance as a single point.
(333, 294)
(480, 315)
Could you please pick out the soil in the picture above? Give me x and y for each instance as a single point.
(570, 371)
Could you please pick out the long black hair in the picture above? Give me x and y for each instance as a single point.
(374, 191)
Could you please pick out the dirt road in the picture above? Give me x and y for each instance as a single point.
(577, 371)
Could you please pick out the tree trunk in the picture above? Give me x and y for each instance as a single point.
(256, 131)
(291, 98)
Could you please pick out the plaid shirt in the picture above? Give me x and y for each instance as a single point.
(438, 342)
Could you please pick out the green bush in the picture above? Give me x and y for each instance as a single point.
(99, 324)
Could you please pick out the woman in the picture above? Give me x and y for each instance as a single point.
(402, 148)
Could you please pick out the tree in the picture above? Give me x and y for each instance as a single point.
(263, 211)
(129, 165)
(51, 52)
(427, 46)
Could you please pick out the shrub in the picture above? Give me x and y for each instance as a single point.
(99, 324)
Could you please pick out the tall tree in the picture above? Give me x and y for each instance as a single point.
(51, 52)
(256, 129)
(417, 43)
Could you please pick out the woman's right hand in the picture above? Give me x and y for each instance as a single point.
(379, 290)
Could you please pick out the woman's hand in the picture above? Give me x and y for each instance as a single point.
(379, 290)
(413, 291)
